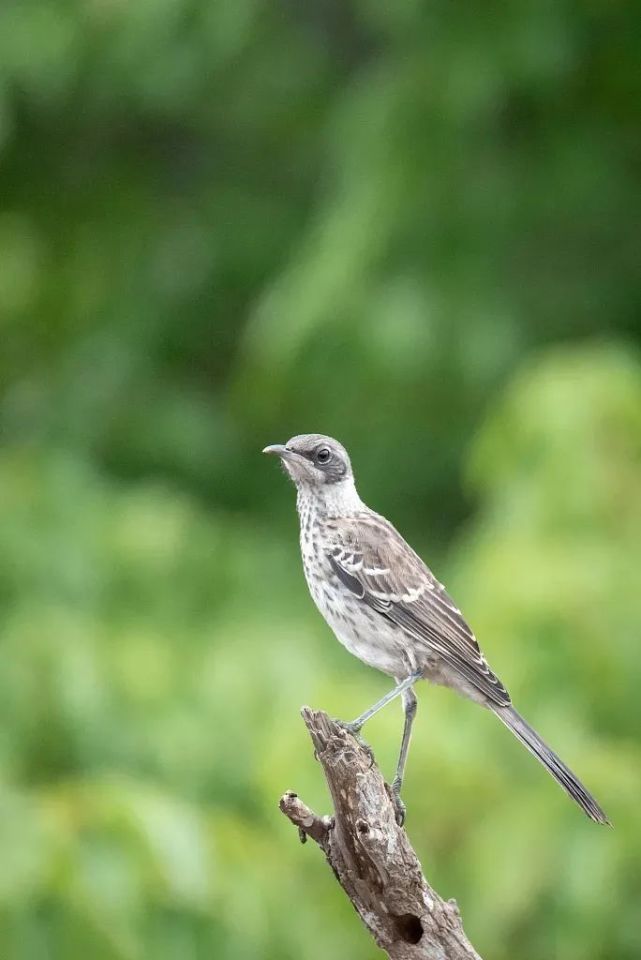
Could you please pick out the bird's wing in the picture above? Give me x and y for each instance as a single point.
(374, 562)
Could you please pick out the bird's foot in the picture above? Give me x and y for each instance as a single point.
(350, 725)
(355, 730)
(399, 807)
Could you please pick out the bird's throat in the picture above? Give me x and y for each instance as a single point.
(328, 500)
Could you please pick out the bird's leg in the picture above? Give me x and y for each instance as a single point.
(356, 725)
(409, 709)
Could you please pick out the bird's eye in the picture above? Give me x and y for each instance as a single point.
(323, 455)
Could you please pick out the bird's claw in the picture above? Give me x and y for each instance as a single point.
(400, 809)
(354, 730)
(350, 726)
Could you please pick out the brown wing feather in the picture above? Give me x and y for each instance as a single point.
(381, 569)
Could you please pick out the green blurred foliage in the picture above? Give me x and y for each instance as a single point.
(414, 226)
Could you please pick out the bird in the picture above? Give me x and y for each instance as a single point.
(388, 609)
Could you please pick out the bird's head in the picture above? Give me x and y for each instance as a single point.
(312, 460)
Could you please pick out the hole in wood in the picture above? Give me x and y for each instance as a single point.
(409, 927)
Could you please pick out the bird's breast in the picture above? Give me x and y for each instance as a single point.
(360, 629)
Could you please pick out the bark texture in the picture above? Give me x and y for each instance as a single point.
(371, 855)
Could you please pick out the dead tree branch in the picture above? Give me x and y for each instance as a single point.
(371, 855)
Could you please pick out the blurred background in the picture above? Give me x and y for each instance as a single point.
(414, 226)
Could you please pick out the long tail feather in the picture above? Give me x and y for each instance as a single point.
(553, 764)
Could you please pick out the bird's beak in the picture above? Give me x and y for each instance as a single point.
(277, 449)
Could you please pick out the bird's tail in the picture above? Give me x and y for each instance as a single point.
(553, 764)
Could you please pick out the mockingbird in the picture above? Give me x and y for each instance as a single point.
(388, 609)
